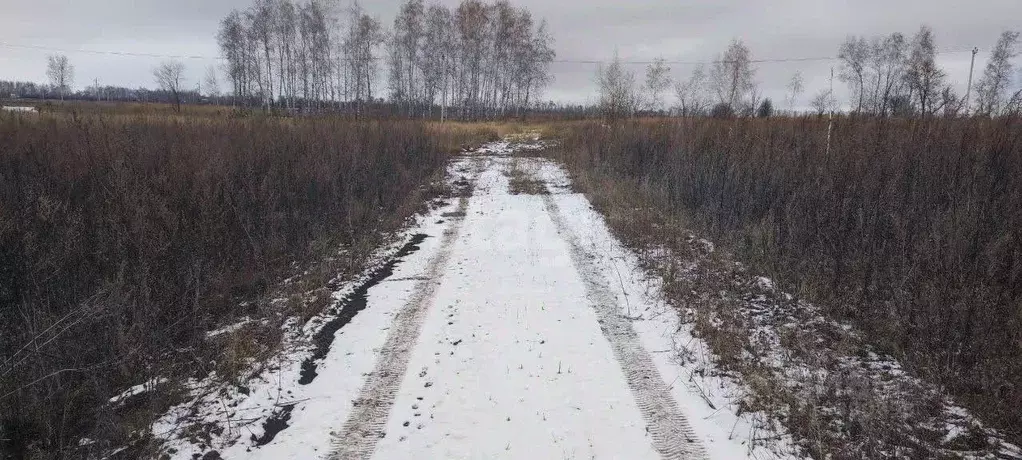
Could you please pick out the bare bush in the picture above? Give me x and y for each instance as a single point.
(124, 239)
(908, 228)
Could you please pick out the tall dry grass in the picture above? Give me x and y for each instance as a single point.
(123, 239)
(910, 228)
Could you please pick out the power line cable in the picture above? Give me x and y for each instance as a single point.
(753, 61)
(556, 61)
(115, 53)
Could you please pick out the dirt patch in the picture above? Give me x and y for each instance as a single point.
(522, 176)
(351, 305)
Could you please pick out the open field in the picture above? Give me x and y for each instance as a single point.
(491, 229)
(170, 280)
(908, 229)
(124, 239)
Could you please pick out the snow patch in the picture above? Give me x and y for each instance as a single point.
(136, 390)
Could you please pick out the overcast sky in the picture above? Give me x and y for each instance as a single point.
(678, 30)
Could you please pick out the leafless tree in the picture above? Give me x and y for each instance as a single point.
(404, 55)
(286, 32)
(485, 58)
(731, 76)
(996, 78)
(692, 93)
(364, 38)
(170, 78)
(264, 20)
(315, 44)
(212, 83)
(437, 55)
(618, 97)
(532, 58)
(951, 104)
(470, 21)
(61, 73)
(854, 55)
(658, 80)
(748, 107)
(924, 78)
(888, 66)
(231, 39)
(795, 88)
(823, 102)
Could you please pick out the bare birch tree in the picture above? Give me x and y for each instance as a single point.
(470, 21)
(823, 102)
(170, 78)
(795, 88)
(405, 46)
(658, 80)
(364, 38)
(618, 97)
(996, 78)
(887, 64)
(231, 38)
(61, 73)
(212, 83)
(692, 93)
(486, 58)
(438, 51)
(854, 55)
(731, 76)
(924, 78)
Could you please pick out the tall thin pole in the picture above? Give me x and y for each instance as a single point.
(968, 91)
(830, 101)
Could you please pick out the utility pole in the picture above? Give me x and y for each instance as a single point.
(968, 91)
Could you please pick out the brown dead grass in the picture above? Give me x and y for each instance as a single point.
(124, 239)
(818, 225)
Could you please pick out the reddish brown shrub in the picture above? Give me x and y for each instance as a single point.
(124, 238)
(911, 228)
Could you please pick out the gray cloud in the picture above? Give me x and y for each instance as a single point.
(693, 30)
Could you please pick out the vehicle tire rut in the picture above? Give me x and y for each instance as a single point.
(366, 424)
(670, 431)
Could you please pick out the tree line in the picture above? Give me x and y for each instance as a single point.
(478, 59)
(38, 91)
(890, 75)
(169, 77)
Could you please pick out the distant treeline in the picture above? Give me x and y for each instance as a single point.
(30, 90)
(485, 60)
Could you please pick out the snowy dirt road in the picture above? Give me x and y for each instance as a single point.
(516, 327)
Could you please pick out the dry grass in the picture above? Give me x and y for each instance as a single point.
(135, 109)
(909, 229)
(124, 239)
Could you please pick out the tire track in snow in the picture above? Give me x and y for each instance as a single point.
(672, 436)
(368, 419)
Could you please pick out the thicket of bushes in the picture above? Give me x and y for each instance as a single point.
(124, 237)
(910, 228)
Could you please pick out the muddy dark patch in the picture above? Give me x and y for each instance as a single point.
(522, 180)
(349, 306)
(519, 186)
(453, 214)
(462, 187)
(273, 425)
